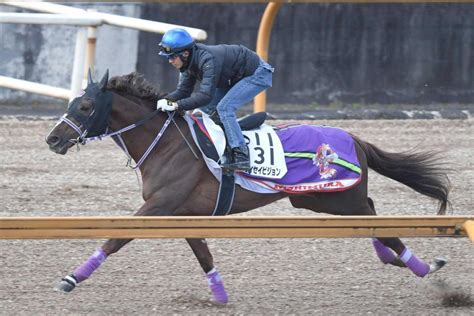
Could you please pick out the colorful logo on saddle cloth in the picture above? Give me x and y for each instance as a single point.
(318, 158)
(324, 155)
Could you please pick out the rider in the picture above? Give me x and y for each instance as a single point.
(230, 76)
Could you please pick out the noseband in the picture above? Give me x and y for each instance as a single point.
(82, 134)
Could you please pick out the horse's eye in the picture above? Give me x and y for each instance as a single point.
(86, 105)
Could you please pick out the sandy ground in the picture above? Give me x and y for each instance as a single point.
(262, 276)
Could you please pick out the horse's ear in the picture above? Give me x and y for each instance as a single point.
(89, 77)
(104, 80)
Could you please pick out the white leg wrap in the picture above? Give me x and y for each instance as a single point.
(70, 279)
(212, 271)
(406, 255)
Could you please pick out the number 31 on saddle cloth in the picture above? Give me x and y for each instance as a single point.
(290, 158)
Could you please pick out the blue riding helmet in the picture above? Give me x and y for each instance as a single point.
(175, 41)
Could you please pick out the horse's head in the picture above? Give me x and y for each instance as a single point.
(87, 115)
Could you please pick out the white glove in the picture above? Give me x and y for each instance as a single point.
(166, 105)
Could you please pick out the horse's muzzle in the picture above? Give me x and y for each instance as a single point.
(57, 144)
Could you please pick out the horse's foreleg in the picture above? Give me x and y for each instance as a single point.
(203, 255)
(85, 270)
(110, 246)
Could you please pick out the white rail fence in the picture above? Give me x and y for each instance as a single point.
(86, 21)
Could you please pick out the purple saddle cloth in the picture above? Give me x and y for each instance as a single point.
(318, 158)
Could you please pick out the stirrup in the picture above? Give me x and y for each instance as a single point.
(237, 167)
(240, 159)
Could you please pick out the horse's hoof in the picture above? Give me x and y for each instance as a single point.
(437, 264)
(67, 284)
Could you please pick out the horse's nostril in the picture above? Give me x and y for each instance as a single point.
(53, 140)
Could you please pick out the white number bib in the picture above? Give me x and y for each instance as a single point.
(267, 158)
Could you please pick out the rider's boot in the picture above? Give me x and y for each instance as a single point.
(240, 159)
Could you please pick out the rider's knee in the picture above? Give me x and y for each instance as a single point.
(224, 112)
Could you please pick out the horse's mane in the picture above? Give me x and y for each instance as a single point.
(134, 84)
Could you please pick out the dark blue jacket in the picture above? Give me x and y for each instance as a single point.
(219, 66)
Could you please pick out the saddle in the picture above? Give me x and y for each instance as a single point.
(252, 121)
(246, 123)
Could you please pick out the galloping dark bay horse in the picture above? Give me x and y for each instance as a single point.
(175, 182)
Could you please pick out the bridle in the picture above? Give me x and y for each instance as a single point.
(82, 139)
(77, 128)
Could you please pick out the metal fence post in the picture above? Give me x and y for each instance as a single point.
(263, 40)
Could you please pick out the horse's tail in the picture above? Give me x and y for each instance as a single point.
(421, 171)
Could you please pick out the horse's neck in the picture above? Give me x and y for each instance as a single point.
(137, 140)
(126, 112)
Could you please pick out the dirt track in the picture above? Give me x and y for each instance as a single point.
(262, 276)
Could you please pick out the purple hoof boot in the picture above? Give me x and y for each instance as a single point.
(217, 287)
(417, 266)
(384, 253)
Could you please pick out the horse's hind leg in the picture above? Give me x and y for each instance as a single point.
(385, 254)
(203, 255)
(405, 257)
(357, 205)
(352, 203)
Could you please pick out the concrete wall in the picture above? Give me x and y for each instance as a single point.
(342, 53)
(45, 53)
(323, 53)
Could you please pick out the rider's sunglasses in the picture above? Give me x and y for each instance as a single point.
(168, 50)
(165, 49)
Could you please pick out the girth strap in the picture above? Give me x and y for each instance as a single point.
(225, 195)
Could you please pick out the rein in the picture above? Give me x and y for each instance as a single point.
(82, 139)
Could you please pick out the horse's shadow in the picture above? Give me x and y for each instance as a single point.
(451, 295)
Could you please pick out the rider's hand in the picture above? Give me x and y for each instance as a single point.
(166, 105)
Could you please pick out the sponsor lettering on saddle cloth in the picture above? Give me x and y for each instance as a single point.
(292, 159)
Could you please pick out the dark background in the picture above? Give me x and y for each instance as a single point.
(338, 53)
